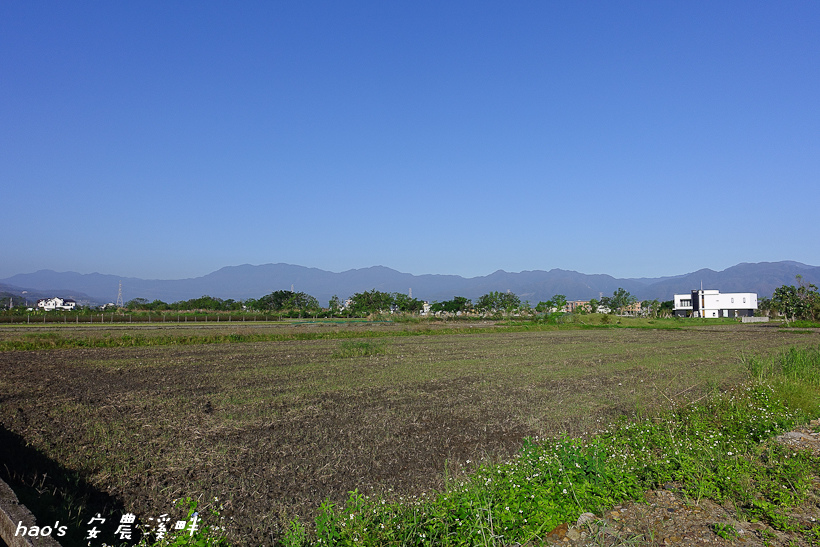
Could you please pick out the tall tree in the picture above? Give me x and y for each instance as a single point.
(650, 307)
(407, 304)
(621, 299)
(457, 304)
(498, 301)
(137, 304)
(287, 300)
(556, 304)
(369, 302)
(801, 302)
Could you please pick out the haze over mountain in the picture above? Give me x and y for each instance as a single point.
(249, 281)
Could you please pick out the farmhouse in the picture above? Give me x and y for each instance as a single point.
(573, 305)
(711, 303)
(56, 303)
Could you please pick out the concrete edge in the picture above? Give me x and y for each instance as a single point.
(12, 513)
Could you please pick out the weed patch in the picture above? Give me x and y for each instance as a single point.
(794, 375)
(804, 324)
(725, 530)
(358, 348)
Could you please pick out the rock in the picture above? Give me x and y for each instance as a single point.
(559, 533)
(573, 534)
(584, 518)
(794, 436)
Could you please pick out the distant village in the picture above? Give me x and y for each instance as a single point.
(801, 301)
(698, 303)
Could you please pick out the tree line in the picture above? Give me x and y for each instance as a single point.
(800, 302)
(366, 303)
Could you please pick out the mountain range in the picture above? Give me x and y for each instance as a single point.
(253, 281)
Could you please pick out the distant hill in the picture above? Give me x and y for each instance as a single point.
(761, 278)
(249, 281)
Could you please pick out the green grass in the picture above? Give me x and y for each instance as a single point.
(804, 324)
(794, 375)
(725, 530)
(358, 348)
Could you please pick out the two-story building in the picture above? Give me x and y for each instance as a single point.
(711, 303)
(56, 303)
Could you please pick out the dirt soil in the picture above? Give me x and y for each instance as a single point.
(667, 518)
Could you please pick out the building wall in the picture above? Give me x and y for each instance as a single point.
(682, 305)
(711, 303)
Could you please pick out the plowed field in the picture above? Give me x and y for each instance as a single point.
(272, 429)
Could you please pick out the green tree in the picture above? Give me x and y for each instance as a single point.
(457, 304)
(137, 304)
(556, 304)
(801, 302)
(488, 302)
(334, 304)
(205, 303)
(552, 308)
(231, 304)
(369, 302)
(650, 307)
(287, 300)
(593, 305)
(621, 299)
(498, 301)
(159, 305)
(406, 304)
(559, 302)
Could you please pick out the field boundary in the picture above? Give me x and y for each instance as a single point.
(13, 512)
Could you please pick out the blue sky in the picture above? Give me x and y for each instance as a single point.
(168, 139)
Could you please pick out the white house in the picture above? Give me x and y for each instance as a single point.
(56, 303)
(711, 303)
